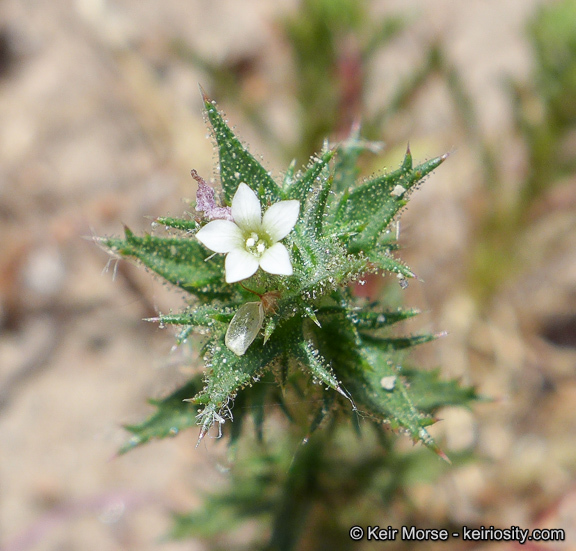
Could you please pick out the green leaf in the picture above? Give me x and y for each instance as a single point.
(181, 261)
(177, 223)
(367, 319)
(323, 412)
(302, 187)
(171, 416)
(258, 407)
(368, 373)
(199, 316)
(226, 374)
(289, 175)
(236, 163)
(393, 344)
(385, 262)
(429, 392)
(293, 509)
(370, 207)
(314, 215)
(346, 168)
(317, 366)
(251, 403)
(183, 334)
(379, 389)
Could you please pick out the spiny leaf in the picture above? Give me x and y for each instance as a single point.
(296, 499)
(257, 407)
(429, 392)
(367, 199)
(393, 344)
(183, 334)
(199, 316)
(370, 207)
(366, 319)
(311, 314)
(346, 168)
(177, 223)
(319, 266)
(318, 368)
(236, 163)
(171, 416)
(369, 374)
(251, 402)
(179, 261)
(227, 373)
(269, 328)
(328, 401)
(302, 186)
(314, 217)
(385, 262)
(289, 175)
(379, 389)
(316, 364)
(407, 163)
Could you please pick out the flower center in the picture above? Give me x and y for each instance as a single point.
(255, 245)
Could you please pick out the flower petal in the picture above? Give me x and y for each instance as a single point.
(221, 236)
(280, 218)
(240, 264)
(276, 260)
(246, 208)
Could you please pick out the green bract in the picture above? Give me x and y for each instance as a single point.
(309, 326)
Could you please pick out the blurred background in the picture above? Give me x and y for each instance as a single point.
(100, 124)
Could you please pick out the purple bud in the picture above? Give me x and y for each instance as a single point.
(206, 203)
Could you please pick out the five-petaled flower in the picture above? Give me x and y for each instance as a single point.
(252, 240)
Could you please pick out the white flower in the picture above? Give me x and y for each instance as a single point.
(252, 240)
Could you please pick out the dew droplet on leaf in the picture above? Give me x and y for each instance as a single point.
(388, 383)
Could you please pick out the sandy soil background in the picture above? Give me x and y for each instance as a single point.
(100, 124)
